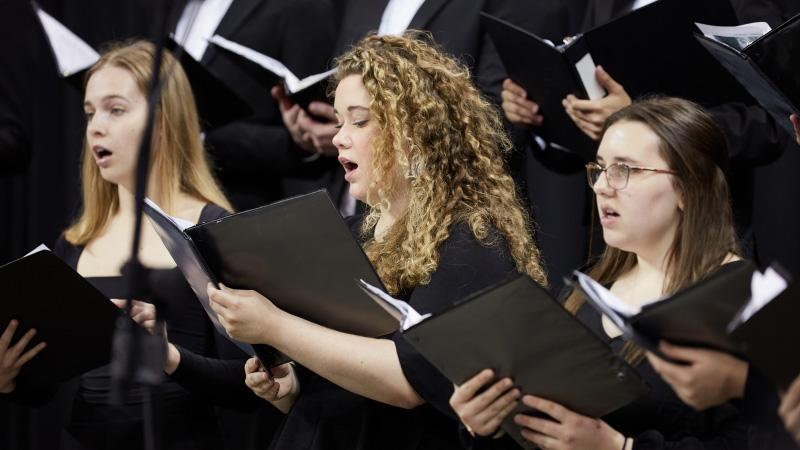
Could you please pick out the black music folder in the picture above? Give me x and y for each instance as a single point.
(269, 71)
(297, 252)
(695, 316)
(74, 318)
(520, 331)
(649, 51)
(769, 332)
(769, 68)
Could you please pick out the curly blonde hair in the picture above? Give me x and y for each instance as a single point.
(437, 129)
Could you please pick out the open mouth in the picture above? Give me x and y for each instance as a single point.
(608, 212)
(348, 165)
(101, 154)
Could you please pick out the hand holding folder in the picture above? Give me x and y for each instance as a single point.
(696, 316)
(520, 331)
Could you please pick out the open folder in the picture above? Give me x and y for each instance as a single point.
(767, 326)
(520, 331)
(74, 319)
(696, 316)
(269, 71)
(297, 252)
(768, 67)
(650, 50)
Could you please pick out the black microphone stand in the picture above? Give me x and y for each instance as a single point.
(138, 357)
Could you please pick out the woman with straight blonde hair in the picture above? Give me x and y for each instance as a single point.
(98, 243)
(424, 150)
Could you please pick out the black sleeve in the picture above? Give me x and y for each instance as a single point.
(720, 428)
(465, 266)
(219, 379)
(751, 133)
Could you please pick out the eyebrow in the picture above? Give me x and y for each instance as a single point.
(353, 107)
(106, 98)
(619, 159)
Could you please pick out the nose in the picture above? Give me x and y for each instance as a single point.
(341, 139)
(601, 186)
(95, 125)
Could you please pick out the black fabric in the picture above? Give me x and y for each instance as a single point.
(328, 417)
(760, 407)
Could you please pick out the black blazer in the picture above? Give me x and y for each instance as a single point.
(255, 154)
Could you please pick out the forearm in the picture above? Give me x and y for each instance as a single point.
(366, 366)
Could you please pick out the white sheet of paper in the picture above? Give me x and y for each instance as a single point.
(586, 70)
(764, 287)
(737, 37)
(604, 295)
(71, 52)
(408, 315)
(180, 223)
(40, 248)
(293, 84)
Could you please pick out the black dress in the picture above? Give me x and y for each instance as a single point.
(211, 373)
(326, 416)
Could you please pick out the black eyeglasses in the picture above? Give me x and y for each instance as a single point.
(617, 174)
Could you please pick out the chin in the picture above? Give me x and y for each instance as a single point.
(613, 239)
(357, 193)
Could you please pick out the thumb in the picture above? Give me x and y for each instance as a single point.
(609, 84)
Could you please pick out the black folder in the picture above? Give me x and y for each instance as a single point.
(696, 316)
(520, 331)
(770, 337)
(316, 91)
(649, 51)
(297, 252)
(769, 68)
(73, 317)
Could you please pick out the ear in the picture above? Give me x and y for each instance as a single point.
(680, 201)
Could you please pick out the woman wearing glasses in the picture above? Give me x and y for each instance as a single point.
(664, 206)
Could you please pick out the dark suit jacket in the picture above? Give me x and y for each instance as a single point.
(254, 155)
(16, 94)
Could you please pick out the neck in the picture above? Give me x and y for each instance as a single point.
(127, 199)
(652, 263)
(389, 216)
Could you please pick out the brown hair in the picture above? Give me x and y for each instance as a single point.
(437, 128)
(690, 143)
(178, 161)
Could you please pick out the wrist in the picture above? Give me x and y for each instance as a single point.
(173, 359)
(736, 380)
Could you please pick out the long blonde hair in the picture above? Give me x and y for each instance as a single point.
(694, 147)
(178, 161)
(437, 129)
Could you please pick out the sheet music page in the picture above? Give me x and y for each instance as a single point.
(40, 248)
(599, 292)
(764, 287)
(71, 52)
(405, 313)
(293, 84)
(737, 37)
(182, 224)
(586, 70)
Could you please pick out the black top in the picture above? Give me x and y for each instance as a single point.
(188, 395)
(326, 416)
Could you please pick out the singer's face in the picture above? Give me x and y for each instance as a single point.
(356, 134)
(116, 111)
(644, 216)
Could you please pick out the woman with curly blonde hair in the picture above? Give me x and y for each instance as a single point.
(424, 151)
